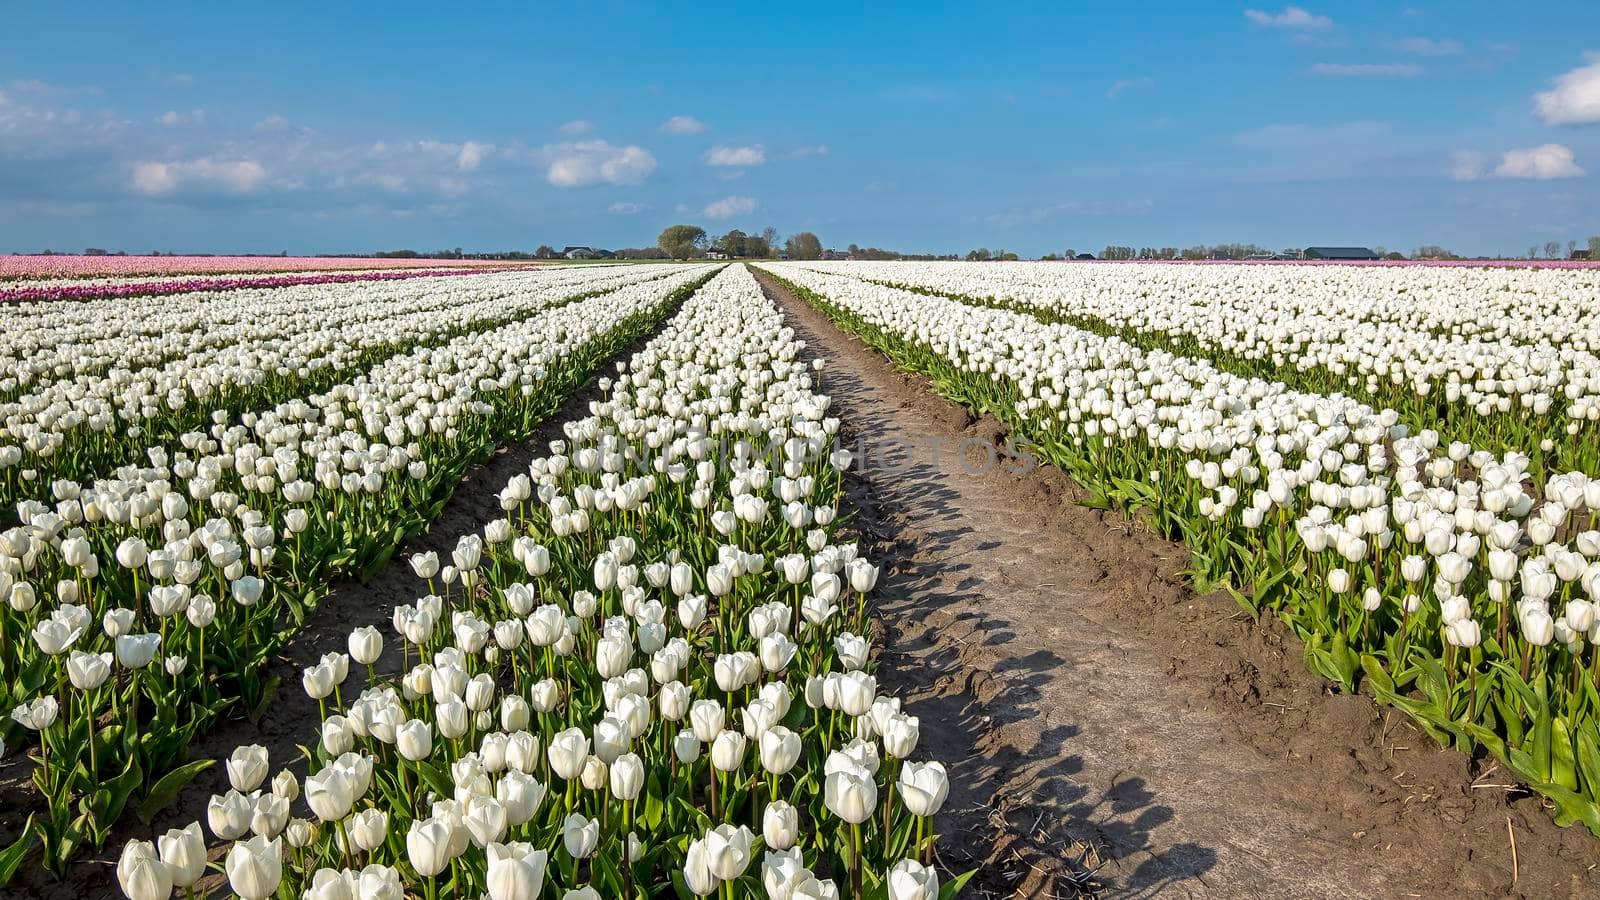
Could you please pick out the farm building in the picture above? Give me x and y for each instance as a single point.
(1340, 253)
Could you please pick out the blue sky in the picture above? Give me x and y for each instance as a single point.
(917, 126)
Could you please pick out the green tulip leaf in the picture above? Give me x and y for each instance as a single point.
(164, 791)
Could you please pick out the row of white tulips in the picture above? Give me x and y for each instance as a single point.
(87, 380)
(650, 676)
(1440, 345)
(119, 280)
(159, 593)
(1442, 576)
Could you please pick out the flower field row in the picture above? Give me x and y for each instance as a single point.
(1505, 359)
(69, 266)
(96, 399)
(650, 678)
(103, 290)
(50, 342)
(1444, 579)
(141, 607)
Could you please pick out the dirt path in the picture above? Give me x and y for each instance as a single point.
(1089, 704)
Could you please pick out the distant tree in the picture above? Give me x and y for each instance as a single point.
(979, 255)
(1431, 251)
(1552, 249)
(642, 253)
(1533, 252)
(804, 245)
(1008, 256)
(769, 236)
(682, 241)
(545, 251)
(1572, 247)
(1049, 257)
(1594, 248)
(732, 243)
(1071, 254)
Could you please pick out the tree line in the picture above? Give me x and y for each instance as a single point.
(692, 242)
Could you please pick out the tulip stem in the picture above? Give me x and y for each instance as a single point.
(714, 813)
(627, 852)
(88, 703)
(855, 860)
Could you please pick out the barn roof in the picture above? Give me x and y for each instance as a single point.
(1340, 253)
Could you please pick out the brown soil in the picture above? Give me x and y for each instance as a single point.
(1097, 714)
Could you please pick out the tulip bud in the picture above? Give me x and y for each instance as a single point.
(780, 825)
(184, 852)
(428, 843)
(850, 793)
(580, 835)
(923, 787)
(366, 645)
(247, 767)
(369, 829)
(516, 871)
(910, 880)
(255, 867)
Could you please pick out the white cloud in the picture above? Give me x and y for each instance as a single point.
(272, 123)
(156, 179)
(1575, 99)
(1422, 46)
(471, 155)
(728, 207)
(1128, 84)
(736, 156)
(1367, 70)
(1542, 163)
(172, 117)
(1291, 17)
(591, 162)
(388, 181)
(683, 125)
(1467, 165)
(626, 209)
(577, 126)
(803, 152)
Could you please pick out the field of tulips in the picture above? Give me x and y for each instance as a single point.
(652, 675)
(100, 289)
(70, 266)
(1504, 359)
(650, 678)
(89, 387)
(1398, 463)
(141, 601)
